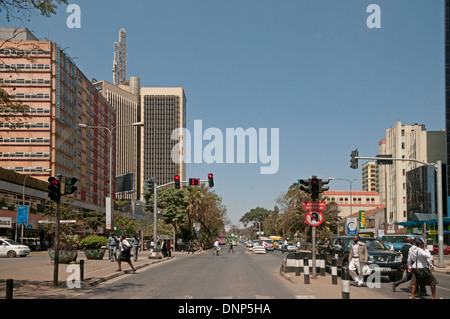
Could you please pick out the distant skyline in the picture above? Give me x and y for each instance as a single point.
(312, 69)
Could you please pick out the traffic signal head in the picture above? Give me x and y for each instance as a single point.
(323, 182)
(305, 185)
(177, 181)
(194, 181)
(70, 186)
(211, 180)
(55, 189)
(150, 184)
(354, 160)
(315, 188)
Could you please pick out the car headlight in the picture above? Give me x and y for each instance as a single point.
(398, 258)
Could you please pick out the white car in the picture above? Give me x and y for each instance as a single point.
(10, 248)
(291, 248)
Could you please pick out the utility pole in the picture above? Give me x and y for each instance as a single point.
(56, 261)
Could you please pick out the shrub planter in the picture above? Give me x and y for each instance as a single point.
(94, 253)
(65, 256)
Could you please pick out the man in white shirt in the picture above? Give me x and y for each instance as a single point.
(357, 258)
(216, 246)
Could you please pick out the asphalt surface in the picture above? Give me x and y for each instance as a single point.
(37, 282)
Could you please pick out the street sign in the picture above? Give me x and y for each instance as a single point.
(22, 214)
(362, 219)
(352, 226)
(314, 206)
(314, 218)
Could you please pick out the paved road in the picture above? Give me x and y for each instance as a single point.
(238, 275)
(242, 275)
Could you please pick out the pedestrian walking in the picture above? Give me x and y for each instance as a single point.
(190, 247)
(216, 247)
(358, 257)
(419, 261)
(298, 246)
(230, 246)
(169, 248)
(285, 244)
(164, 248)
(125, 254)
(135, 242)
(112, 246)
(409, 243)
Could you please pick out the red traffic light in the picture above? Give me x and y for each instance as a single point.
(194, 181)
(177, 181)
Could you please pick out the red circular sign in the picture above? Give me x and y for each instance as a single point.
(314, 218)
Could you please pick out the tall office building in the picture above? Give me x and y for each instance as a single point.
(163, 110)
(370, 177)
(120, 59)
(58, 96)
(125, 101)
(413, 142)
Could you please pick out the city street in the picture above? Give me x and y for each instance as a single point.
(239, 275)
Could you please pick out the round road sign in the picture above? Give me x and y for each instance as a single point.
(314, 218)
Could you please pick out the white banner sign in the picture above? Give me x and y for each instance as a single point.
(108, 212)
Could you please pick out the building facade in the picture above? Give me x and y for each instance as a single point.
(370, 177)
(163, 110)
(409, 142)
(126, 105)
(46, 140)
(352, 202)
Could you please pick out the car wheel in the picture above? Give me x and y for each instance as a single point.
(11, 254)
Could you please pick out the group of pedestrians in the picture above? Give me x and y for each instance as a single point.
(166, 248)
(416, 259)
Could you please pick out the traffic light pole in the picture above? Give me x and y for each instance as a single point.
(438, 168)
(57, 229)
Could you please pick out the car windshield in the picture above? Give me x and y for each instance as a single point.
(11, 242)
(371, 243)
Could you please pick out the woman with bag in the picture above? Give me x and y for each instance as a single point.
(125, 253)
(418, 261)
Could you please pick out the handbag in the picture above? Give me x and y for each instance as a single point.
(422, 274)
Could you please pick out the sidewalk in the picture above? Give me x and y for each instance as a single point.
(38, 284)
(321, 287)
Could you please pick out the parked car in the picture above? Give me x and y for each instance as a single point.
(390, 262)
(10, 248)
(436, 249)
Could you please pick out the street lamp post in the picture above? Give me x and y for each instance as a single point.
(111, 131)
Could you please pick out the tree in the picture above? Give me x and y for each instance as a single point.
(257, 216)
(19, 9)
(173, 203)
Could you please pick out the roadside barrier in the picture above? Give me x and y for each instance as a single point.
(334, 272)
(294, 262)
(306, 270)
(345, 283)
(9, 288)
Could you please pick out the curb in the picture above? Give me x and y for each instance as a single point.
(97, 281)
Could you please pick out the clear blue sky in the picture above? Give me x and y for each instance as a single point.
(311, 68)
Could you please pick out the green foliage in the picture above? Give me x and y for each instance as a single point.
(93, 241)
